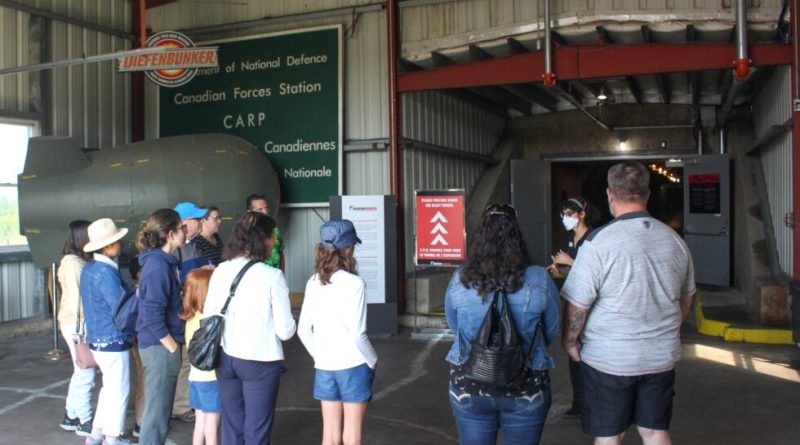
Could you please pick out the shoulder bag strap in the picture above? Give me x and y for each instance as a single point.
(235, 284)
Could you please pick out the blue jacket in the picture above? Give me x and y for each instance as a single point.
(101, 288)
(161, 299)
(189, 258)
(536, 300)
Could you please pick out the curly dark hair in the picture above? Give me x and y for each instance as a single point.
(497, 255)
(77, 237)
(581, 205)
(155, 230)
(248, 236)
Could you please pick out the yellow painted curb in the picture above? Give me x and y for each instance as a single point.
(732, 334)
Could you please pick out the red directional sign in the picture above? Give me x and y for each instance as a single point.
(441, 239)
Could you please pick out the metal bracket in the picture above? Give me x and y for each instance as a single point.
(796, 105)
(788, 220)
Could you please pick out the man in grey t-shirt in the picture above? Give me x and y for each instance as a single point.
(627, 294)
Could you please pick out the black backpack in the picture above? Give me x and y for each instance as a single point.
(496, 358)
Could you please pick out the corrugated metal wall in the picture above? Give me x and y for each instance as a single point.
(21, 298)
(14, 89)
(443, 121)
(773, 107)
(88, 102)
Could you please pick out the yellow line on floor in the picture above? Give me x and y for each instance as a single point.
(733, 334)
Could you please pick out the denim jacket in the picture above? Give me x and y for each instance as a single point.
(536, 300)
(101, 288)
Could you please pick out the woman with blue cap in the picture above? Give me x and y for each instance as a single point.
(333, 328)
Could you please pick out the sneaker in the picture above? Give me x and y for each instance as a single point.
(84, 429)
(69, 423)
(136, 429)
(91, 441)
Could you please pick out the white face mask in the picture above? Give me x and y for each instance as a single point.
(570, 222)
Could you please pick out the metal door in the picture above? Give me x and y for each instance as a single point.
(707, 217)
(530, 195)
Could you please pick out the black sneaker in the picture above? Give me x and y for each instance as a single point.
(84, 429)
(69, 423)
(136, 429)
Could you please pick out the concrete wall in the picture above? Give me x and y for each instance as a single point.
(571, 133)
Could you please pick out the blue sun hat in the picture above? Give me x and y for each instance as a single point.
(338, 234)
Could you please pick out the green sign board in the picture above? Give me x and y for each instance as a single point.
(283, 93)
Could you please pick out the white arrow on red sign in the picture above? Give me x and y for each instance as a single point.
(439, 217)
(439, 240)
(439, 228)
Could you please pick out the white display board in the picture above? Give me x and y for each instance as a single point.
(367, 215)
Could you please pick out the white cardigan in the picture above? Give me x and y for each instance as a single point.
(259, 315)
(333, 323)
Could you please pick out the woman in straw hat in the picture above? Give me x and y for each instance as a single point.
(101, 289)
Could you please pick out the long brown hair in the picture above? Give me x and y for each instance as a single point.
(195, 289)
(329, 261)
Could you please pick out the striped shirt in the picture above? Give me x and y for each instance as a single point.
(211, 254)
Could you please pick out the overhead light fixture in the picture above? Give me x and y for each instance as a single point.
(623, 146)
(602, 95)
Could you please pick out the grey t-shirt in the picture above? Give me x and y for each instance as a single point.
(632, 272)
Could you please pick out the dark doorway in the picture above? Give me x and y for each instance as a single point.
(587, 179)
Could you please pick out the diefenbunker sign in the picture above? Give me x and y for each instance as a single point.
(283, 93)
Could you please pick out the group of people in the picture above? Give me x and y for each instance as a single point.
(630, 284)
(183, 273)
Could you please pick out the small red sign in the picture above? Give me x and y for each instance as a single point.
(707, 178)
(441, 238)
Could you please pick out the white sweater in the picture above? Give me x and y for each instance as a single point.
(259, 315)
(333, 323)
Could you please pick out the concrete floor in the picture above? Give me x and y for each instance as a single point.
(726, 394)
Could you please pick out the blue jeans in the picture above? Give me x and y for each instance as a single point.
(479, 418)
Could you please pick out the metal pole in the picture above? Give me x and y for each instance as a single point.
(741, 29)
(55, 353)
(722, 141)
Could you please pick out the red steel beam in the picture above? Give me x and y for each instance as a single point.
(795, 212)
(591, 62)
(137, 78)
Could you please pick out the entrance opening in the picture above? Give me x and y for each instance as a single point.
(15, 135)
(587, 179)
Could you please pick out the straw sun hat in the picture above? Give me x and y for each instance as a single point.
(102, 233)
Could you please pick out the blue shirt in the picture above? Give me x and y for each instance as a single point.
(536, 300)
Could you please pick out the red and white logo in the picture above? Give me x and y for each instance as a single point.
(176, 65)
(441, 238)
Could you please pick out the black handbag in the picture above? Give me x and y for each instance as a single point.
(205, 343)
(496, 358)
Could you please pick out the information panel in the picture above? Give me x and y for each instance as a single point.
(441, 238)
(283, 93)
(704, 193)
(367, 215)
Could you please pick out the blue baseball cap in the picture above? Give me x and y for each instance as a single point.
(187, 210)
(338, 234)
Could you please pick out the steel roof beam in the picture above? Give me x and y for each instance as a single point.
(591, 62)
(527, 92)
(497, 94)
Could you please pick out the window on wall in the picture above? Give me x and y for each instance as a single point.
(14, 136)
